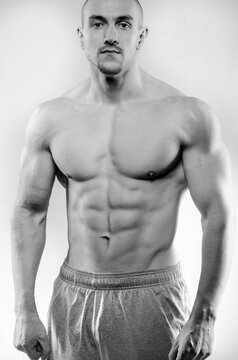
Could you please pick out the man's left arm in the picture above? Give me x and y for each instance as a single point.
(207, 171)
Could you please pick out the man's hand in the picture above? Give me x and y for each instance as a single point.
(30, 336)
(194, 341)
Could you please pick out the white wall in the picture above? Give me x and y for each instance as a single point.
(193, 45)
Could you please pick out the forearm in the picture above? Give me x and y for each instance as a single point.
(28, 241)
(217, 245)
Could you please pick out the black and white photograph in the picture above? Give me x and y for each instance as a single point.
(119, 128)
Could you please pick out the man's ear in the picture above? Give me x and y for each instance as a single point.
(143, 35)
(80, 35)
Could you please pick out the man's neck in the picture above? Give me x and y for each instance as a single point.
(106, 89)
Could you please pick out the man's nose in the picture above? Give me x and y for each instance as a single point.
(111, 35)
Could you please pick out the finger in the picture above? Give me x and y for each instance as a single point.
(39, 347)
(19, 347)
(41, 351)
(202, 356)
(30, 350)
(187, 354)
(45, 348)
(173, 352)
(205, 356)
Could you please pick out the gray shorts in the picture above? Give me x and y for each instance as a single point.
(116, 316)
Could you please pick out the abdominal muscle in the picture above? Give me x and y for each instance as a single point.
(122, 225)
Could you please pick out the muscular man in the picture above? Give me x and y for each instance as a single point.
(125, 146)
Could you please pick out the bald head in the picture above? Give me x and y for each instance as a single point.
(137, 3)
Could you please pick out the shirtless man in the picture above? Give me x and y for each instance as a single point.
(125, 146)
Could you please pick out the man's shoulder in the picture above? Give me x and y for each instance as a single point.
(189, 105)
(51, 109)
(200, 119)
(196, 119)
(43, 120)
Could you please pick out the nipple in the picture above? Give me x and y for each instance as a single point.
(151, 174)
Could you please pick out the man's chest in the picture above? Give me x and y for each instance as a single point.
(140, 143)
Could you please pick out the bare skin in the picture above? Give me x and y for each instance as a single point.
(122, 197)
(124, 147)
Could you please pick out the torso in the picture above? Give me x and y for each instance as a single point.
(122, 169)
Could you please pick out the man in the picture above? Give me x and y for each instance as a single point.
(125, 146)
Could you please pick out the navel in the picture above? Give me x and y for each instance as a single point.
(105, 242)
(105, 237)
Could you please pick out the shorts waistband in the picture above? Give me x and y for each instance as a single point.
(121, 280)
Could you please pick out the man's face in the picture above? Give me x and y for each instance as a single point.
(111, 25)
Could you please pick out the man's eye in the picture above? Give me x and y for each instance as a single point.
(97, 25)
(124, 25)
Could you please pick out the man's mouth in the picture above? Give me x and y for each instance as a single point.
(111, 51)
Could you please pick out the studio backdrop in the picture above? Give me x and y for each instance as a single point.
(192, 45)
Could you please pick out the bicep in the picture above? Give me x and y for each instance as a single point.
(207, 173)
(37, 168)
(37, 173)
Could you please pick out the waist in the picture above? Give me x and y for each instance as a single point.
(123, 252)
(121, 280)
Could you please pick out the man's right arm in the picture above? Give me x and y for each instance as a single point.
(28, 224)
